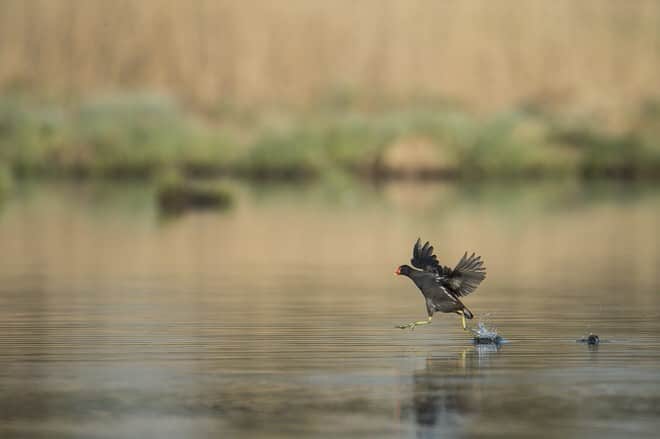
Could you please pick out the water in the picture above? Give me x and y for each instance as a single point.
(482, 333)
(275, 319)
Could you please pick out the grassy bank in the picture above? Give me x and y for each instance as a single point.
(5, 180)
(145, 136)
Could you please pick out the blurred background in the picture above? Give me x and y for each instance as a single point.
(202, 204)
(471, 88)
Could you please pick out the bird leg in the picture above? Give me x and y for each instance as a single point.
(463, 320)
(412, 325)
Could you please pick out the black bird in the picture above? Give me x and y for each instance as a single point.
(440, 285)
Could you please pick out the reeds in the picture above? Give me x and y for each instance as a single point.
(294, 88)
(599, 55)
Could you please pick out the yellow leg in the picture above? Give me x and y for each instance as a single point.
(463, 321)
(412, 325)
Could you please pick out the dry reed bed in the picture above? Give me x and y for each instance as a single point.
(601, 55)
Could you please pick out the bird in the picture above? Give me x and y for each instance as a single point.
(442, 286)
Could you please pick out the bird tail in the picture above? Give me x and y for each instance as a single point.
(468, 314)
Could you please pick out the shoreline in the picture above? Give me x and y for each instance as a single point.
(143, 136)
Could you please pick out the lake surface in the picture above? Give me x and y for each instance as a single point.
(276, 318)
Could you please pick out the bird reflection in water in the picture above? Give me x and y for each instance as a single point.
(447, 391)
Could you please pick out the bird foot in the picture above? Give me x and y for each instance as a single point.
(412, 325)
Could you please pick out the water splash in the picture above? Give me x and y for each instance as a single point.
(484, 334)
(591, 339)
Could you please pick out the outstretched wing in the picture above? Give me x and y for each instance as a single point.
(423, 257)
(466, 276)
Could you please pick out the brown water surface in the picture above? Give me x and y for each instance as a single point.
(275, 318)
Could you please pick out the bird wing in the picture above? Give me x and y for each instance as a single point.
(423, 257)
(466, 276)
(440, 294)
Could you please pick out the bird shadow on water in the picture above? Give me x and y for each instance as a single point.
(445, 392)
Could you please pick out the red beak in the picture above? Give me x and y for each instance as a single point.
(398, 270)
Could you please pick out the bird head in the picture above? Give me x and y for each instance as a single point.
(403, 270)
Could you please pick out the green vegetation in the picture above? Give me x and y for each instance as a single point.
(5, 180)
(113, 136)
(144, 135)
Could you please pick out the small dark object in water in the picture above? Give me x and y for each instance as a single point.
(592, 339)
(178, 196)
(487, 340)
